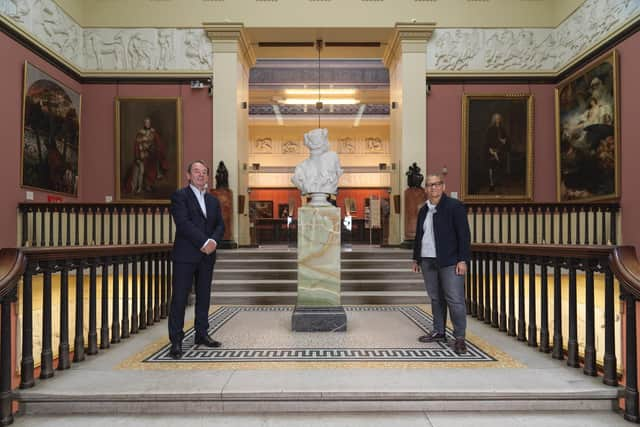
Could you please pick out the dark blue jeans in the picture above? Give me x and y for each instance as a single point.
(446, 289)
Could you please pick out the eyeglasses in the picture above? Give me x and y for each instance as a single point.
(434, 184)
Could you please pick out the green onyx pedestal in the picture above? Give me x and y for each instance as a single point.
(318, 306)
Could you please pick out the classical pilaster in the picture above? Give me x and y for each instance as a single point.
(406, 59)
(232, 59)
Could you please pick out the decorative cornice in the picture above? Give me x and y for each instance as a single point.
(222, 32)
(416, 33)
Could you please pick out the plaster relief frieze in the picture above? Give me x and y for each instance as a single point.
(527, 49)
(146, 49)
(15, 9)
(449, 50)
(48, 23)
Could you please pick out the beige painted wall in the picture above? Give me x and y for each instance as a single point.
(299, 13)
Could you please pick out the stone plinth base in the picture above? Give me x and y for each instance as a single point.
(319, 319)
(318, 256)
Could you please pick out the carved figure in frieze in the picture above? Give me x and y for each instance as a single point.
(290, 147)
(196, 49)
(263, 145)
(21, 8)
(139, 51)
(97, 49)
(60, 31)
(165, 43)
(374, 145)
(347, 145)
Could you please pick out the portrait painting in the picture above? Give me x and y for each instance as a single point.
(587, 138)
(148, 148)
(50, 134)
(497, 147)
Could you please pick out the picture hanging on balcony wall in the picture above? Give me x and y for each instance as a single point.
(148, 148)
(497, 147)
(50, 134)
(587, 136)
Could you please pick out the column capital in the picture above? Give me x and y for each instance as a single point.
(408, 37)
(230, 37)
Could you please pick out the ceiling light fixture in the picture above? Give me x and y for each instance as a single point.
(324, 101)
(325, 91)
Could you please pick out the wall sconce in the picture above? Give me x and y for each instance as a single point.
(255, 166)
(243, 105)
(394, 105)
(445, 171)
(382, 166)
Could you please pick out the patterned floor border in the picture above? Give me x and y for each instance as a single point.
(480, 353)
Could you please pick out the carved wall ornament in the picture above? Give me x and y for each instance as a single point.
(374, 145)
(290, 147)
(346, 145)
(263, 145)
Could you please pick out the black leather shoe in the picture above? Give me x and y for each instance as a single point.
(176, 351)
(459, 346)
(433, 337)
(207, 341)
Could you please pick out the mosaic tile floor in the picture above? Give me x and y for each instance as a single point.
(374, 334)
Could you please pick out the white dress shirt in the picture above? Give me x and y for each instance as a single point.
(428, 248)
(200, 198)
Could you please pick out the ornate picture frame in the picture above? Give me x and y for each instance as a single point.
(50, 140)
(497, 147)
(587, 133)
(148, 154)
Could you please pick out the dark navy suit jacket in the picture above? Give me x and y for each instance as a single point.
(451, 232)
(192, 227)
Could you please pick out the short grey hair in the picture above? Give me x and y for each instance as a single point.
(437, 175)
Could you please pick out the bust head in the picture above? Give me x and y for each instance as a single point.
(316, 141)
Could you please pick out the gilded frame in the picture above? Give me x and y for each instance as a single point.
(50, 137)
(497, 152)
(148, 155)
(587, 133)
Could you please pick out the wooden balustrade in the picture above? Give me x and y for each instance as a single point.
(544, 223)
(134, 301)
(492, 300)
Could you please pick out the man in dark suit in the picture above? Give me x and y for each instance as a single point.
(441, 250)
(199, 228)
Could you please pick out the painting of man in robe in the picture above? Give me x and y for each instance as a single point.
(586, 134)
(497, 147)
(148, 146)
(50, 134)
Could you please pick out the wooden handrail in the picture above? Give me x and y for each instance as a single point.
(566, 251)
(12, 265)
(626, 267)
(87, 204)
(54, 253)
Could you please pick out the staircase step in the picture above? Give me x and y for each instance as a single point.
(154, 402)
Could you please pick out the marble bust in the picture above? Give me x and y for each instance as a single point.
(318, 175)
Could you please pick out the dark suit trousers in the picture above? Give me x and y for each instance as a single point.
(184, 275)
